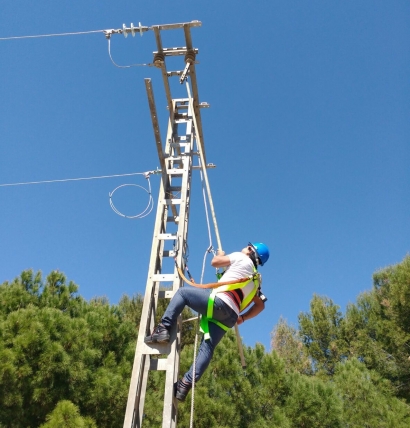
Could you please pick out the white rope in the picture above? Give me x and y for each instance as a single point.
(201, 156)
(51, 35)
(72, 179)
(123, 66)
(211, 205)
(148, 208)
(191, 423)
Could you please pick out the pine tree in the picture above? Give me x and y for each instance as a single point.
(321, 332)
(66, 415)
(287, 343)
(368, 399)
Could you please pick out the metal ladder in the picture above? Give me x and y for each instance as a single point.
(170, 230)
(172, 213)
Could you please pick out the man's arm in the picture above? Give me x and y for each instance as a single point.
(257, 307)
(220, 260)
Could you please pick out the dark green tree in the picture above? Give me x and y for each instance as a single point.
(377, 327)
(321, 332)
(286, 341)
(312, 402)
(67, 415)
(368, 399)
(55, 346)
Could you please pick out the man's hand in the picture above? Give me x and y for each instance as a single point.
(220, 260)
(240, 320)
(257, 307)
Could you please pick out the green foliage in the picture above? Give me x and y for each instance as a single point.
(321, 334)
(378, 326)
(54, 346)
(228, 396)
(311, 402)
(66, 415)
(65, 362)
(368, 399)
(288, 344)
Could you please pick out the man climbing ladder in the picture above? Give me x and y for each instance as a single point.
(220, 308)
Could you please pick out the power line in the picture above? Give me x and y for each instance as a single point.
(51, 35)
(146, 174)
(107, 34)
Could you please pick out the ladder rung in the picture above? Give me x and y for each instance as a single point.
(183, 101)
(164, 277)
(158, 364)
(155, 349)
(173, 219)
(171, 201)
(166, 294)
(169, 253)
(175, 171)
(167, 236)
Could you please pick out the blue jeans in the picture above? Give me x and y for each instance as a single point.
(197, 299)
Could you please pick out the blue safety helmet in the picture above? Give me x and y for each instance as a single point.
(262, 251)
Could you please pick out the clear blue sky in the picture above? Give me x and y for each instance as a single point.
(308, 126)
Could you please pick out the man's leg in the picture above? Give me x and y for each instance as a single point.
(195, 298)
(228, 317)
(205, 353)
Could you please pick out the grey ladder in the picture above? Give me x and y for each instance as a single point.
(170, 233)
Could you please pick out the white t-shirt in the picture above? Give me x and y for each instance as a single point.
(241, 267)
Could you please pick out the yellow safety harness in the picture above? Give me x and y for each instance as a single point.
(205, 320)
(221, 287)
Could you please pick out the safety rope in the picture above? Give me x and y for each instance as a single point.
(211, 205)
(204, 179)
(209, 249)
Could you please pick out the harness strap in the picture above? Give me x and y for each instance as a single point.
(212, 284)
(204, 326)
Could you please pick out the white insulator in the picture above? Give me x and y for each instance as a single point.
(124, 30)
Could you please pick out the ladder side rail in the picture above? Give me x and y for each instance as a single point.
(172, 366)
(155, 126)
(194, 85)
(136, 394)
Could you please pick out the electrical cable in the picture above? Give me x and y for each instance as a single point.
(71, 179)
(147, 209)
(106, 32)
(142, 214)
(51, 35)
(123, 66)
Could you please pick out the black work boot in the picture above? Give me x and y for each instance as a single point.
(159, 335)
(182, 389)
